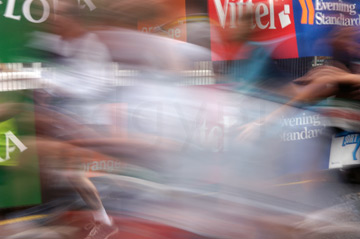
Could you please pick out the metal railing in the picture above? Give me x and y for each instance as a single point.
(19, 76)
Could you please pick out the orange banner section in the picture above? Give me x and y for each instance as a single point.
(171, 23)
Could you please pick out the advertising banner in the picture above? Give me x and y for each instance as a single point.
(19, 18)
(272, 24)
(288, 28)
(171, 23)
(315, 20)
(19, 167)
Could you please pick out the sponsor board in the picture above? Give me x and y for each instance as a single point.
(329, 13)
(11, 144)
(315, 21)
(19, 175)
(287, 28)
(171, 24)
(19, 18)
(35, 11)
(272, 23)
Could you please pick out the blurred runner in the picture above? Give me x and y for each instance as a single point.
(341, 77)
(80, 84)
(71, 113)
(331, 91)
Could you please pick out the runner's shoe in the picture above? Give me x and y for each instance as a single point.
(100, 230)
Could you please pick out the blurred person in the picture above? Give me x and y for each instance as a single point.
(139, 50)
(83, 76)
(108, 147)
(70, 113)
(321, 89)
(80, 84)
(341, 75)
(61, 160)
(257, 76)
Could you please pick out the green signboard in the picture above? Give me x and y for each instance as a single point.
(20, 18)
(19, 167)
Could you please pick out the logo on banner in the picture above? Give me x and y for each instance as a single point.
(271, 20)
(41, 15)
(9, 136)
(307, 17)
(329, 13)
(302, 127)
(261, 11)
(171, 24)
(87, 3)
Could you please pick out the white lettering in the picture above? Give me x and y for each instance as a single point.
(27, 14)
(88, 3)
(272, 19)
(236, 11)
(250, 6)
(9, 136)
(259, 15)
(340, 6)
(240, 7)
(232, 15)
(318, 17)
(221, 11)
(9, 11)
(177, 33)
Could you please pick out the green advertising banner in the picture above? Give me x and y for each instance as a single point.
(20, 18)
(19, 166)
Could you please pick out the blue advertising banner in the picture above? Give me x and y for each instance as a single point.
(316, 19)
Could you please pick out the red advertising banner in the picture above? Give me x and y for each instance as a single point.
(271, 23)
(171, 23)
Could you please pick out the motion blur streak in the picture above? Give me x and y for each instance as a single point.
(121, 133)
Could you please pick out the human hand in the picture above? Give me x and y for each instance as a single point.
(324, 75)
